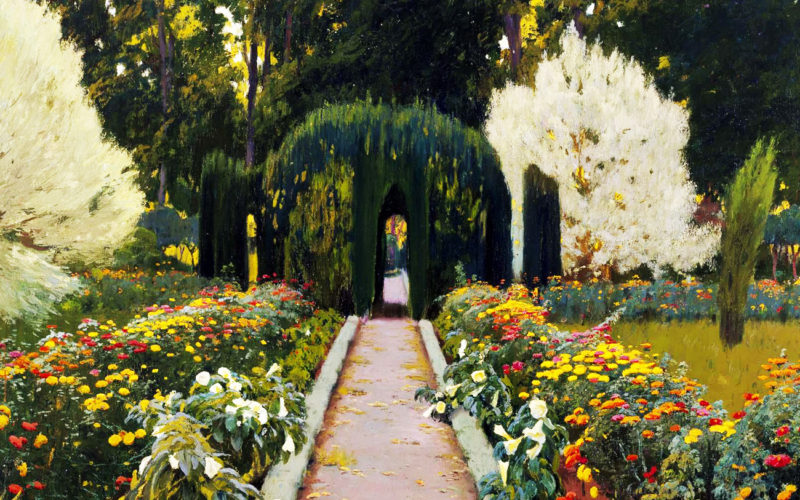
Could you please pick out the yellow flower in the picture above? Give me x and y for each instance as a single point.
(128, 438)
(100, 384)
(51, 380)
(3, 421)
(40, 441)
(593, 492)
(124, 391)
(745, 492)
(140, 433)
(23, 469)
(155, 347)
(114, 440)
(693, 435)
(84, 389)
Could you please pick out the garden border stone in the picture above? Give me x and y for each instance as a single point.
(473, 441)
(284, 479)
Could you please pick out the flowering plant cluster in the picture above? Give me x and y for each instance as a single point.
(91, 404)
(635, 425)
(663, 300)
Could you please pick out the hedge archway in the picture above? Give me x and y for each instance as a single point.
(327, 183)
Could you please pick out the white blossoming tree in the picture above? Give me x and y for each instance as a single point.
(597, 125)
(65, 192)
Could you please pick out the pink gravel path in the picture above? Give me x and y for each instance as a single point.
(375, 443)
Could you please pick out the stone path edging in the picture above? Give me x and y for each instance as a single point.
(284, 479)
(470, 435)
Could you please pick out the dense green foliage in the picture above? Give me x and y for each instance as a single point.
(440, 175)
(747, 203)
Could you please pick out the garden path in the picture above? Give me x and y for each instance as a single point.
(375, 442)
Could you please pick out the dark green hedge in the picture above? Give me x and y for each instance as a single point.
(228, 193)
(447, 175)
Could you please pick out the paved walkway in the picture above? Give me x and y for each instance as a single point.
(375, 443)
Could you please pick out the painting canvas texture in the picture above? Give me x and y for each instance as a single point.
(399, 249)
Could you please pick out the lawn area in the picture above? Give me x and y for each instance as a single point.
(727, 373)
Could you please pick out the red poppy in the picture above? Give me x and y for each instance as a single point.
(30, 426)
(632, 457)
(38, 485)
(782, 430)
(739, 415)
(778, 461)
(17, 442)
(14, 489)
(714, 421)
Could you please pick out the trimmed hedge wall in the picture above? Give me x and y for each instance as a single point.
(453, 194)
(228, 193)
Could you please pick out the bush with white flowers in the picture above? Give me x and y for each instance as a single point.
(228, 423)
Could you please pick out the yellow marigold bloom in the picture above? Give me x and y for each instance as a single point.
(51, 380)
(124, 391)
(593, 492)
(84, 389)
(745, 492)
(114, 440)
(40, 441)
(140, 433)
(155, 347)
(3, 421)
(128, 438)
(23, 469)
(100, 384)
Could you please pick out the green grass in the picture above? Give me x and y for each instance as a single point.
(727, 373)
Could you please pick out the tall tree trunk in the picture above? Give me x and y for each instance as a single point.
(774, 252)
(252, 85)
(165, 61)
(731, 327)
(287, 41)
(511, 27)
(576, 18)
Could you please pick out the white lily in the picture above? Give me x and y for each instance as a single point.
(451, 389)
(498, 429)
(288, 444)
(534, 451)
(282, 411)
(224, 372)
(478, 376)
(538, 408)
(212, 467)
(173, 461)
(511, 445)
(502, 467)
(535, 433)
(215, 389)
(462, 348)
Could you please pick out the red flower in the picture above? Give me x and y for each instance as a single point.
(16, 442)
(506, 369)
(495, 348)
(38, 485)
(651, 475)
(778, 461)
(14, 489)
(28, 426)
(782, 430)
(714, 421)
(517, 366)
(739, 415)
(632, 457)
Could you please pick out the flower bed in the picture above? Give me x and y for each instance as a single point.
(575, 302)
(627, 423)
(195, 399)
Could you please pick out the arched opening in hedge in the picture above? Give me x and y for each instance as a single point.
(394, 204)
(327, 184)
